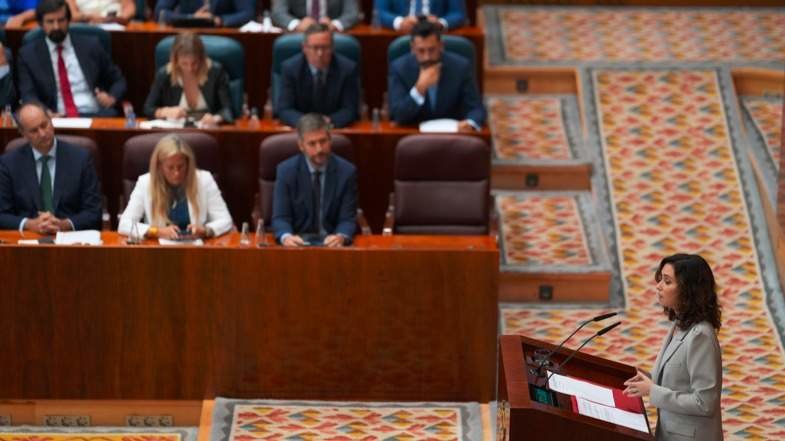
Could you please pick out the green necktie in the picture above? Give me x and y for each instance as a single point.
(46, 184)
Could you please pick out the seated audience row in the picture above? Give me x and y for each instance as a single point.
(291, 15)
(315, 192)
(73, 75)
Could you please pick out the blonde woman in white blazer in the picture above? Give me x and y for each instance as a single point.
(175, 197)
(687, 376)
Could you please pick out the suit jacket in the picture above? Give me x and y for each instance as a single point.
(687, 378)
(345, 11)
(212, 208)
(233, 13)
(215, 90)
(7, 87)
(76, 194)
(453, 11)
(292, 199)
(342, 92)
(38, 81)
(457, 94)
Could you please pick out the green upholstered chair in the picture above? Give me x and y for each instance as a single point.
(289, 45)
(77, 29)
(227, 51)
(453, 43)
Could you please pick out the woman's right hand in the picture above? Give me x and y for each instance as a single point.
(173, 112)
(171, 232)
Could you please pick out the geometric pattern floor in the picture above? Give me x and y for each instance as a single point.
(245, 420)
(533, 128)
(96, 433)
(545, 35)
(678, 182)
(766, 114)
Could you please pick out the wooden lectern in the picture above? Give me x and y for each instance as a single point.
(522, 418)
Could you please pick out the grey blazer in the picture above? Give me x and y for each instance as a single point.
(687, 378)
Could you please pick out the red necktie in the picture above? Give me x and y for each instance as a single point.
(316, 12)
(65, 85)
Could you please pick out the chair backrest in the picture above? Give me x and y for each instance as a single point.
(227, 51)
(289, 45)
(442, 185)
(82, 141)
(452, 43)
(77, 29)
(278, 148)
(138, 149)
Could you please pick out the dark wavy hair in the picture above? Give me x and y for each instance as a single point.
(697, 298)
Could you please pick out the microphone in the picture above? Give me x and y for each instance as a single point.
(538, 371)
(602, 331)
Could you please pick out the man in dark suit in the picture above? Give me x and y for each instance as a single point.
(229, 13)
(299, 15)
(402, 15)
(319, 81)
(315, 192)
(47, 185)
(72, 75)
(430, 83)
(7, 88)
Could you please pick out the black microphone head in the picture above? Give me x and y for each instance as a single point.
(607, 328)
(604, 316)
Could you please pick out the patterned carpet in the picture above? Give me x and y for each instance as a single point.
(549, 232)
(531, 129)
(678, 181)
(763, 118)
(541, 35)
(245, 420)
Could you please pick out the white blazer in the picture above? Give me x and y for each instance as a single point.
(212, 208)
(687, 378)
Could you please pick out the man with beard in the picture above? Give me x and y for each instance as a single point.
(430, 83)
(315, 198)
(70, 74)
(320, 81)
(47, 185)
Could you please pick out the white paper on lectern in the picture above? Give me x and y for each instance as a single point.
(72, 123)
(613, 415)
(582, 389)
(197, 242)
(84, 237)
(444, 125)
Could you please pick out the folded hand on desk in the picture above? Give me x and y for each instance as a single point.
(47, 223)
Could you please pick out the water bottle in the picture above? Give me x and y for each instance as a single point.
(245, 240)
(261, 239)
(7, 118)
(254, 117)
(376, 118)
(376, 22)
(246, 109)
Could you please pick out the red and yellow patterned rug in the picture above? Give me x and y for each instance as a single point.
(677, 182)
(766, 115)
(245, 420)
(530, 35)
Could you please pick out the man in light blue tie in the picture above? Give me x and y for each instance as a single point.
(430, 83)
(47, 185)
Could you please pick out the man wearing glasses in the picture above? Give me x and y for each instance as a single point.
(319, 81)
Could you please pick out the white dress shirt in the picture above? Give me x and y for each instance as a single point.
(84, 99)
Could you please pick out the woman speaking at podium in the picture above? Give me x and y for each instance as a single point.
(687, 375)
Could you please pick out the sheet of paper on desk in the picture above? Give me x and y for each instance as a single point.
(72, 123)
(197, 242)
(84, 237)
(581, 389)
(444, 125)
(162, 124)
(111, 27)
(613, 415)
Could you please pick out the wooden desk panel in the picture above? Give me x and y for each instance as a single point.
(374, 154)
(133, 51)
(400, 318)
